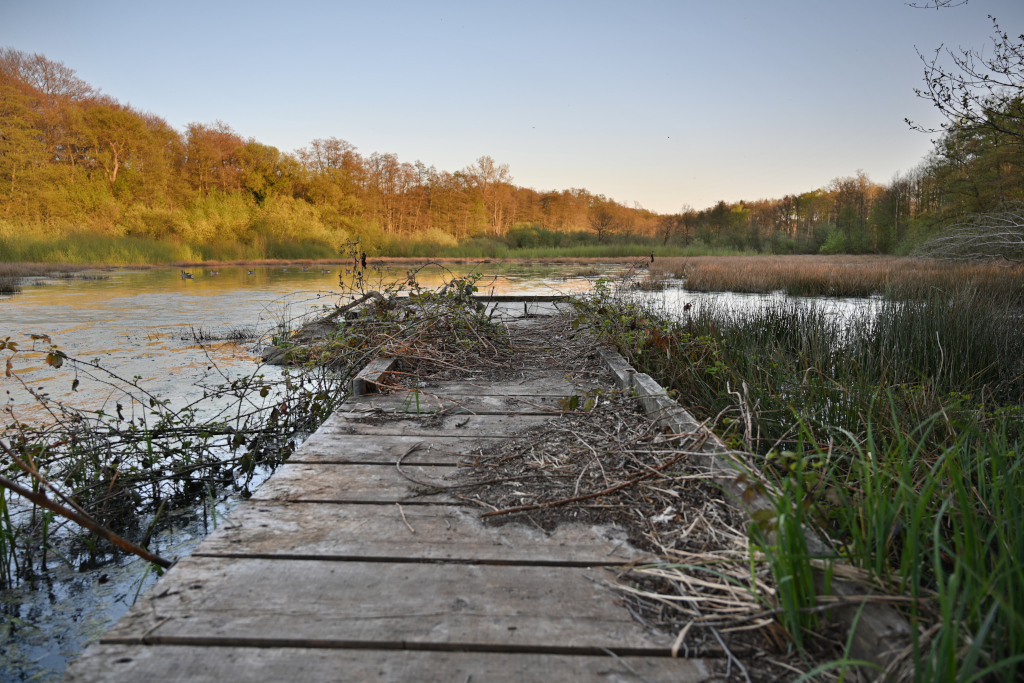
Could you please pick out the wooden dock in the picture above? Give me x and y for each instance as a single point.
(355, 562)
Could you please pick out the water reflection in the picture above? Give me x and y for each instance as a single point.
(134, 322)
(45, 626)
(676, 301)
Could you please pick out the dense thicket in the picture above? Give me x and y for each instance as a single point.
(72, 158)
(83, 176)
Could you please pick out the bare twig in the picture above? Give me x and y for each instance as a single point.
(84, 521)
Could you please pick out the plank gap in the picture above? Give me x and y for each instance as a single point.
(574, 564)
(216, 641)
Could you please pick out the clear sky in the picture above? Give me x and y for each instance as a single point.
(661, 103)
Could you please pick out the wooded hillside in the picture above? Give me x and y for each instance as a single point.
(78, 167)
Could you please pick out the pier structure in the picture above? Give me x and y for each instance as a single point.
(359, 560)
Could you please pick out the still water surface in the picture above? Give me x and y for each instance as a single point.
(139, 323)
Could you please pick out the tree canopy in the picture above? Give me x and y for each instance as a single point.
(72, 158)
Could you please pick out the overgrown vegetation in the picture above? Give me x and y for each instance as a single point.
(138, 454)
(898, 432)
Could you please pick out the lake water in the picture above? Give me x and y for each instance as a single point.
(133, 322)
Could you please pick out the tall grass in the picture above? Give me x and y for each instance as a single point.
(854, 276)
(88, 248)
(906, 427)
(206, 234)
(12, 275)
(492, 248)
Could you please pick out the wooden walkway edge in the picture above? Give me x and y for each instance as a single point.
(353, 562)
(880, 633)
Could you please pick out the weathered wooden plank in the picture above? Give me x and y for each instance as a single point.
(296, 603)
(167, 664)
(355, 483)
(621, 370)
(432, 402)
(386, 450)
(372, 422)
(366, 382)
(437, 533)
(521, 298)
(554, 385)
(516, 310)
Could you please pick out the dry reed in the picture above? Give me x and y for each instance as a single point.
(12, 275)
(855, 276)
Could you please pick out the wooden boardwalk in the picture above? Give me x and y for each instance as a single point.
(353, 563)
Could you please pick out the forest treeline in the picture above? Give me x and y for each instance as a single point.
(84, 177)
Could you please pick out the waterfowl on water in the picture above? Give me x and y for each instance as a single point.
(186, 276)
(325, 271)
(250, 272)
(214, 272)
(305, 269)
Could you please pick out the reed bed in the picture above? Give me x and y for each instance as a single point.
(847, 276)
(13, 275)
(122, 250)
(898, 433)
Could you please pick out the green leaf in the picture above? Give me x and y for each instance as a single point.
(569, 403)
(763, 518)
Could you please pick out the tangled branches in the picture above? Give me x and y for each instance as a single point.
(138, 453)
(979, 94)
(996, 236)
(442, 334)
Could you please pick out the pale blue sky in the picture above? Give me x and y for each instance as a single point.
(661, 103)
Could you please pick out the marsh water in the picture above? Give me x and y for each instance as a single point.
(143, 324)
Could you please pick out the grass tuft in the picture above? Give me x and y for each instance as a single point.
(897, 432)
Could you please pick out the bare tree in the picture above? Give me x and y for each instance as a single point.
(55, 80)
(937, 4)
(995, 236)
(978, 93)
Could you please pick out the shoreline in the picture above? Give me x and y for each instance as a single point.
(851, 259)
(400, 260)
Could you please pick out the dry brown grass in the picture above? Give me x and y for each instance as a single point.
(834, 275)
(37, 269)
(412, 260)
(12, 274)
